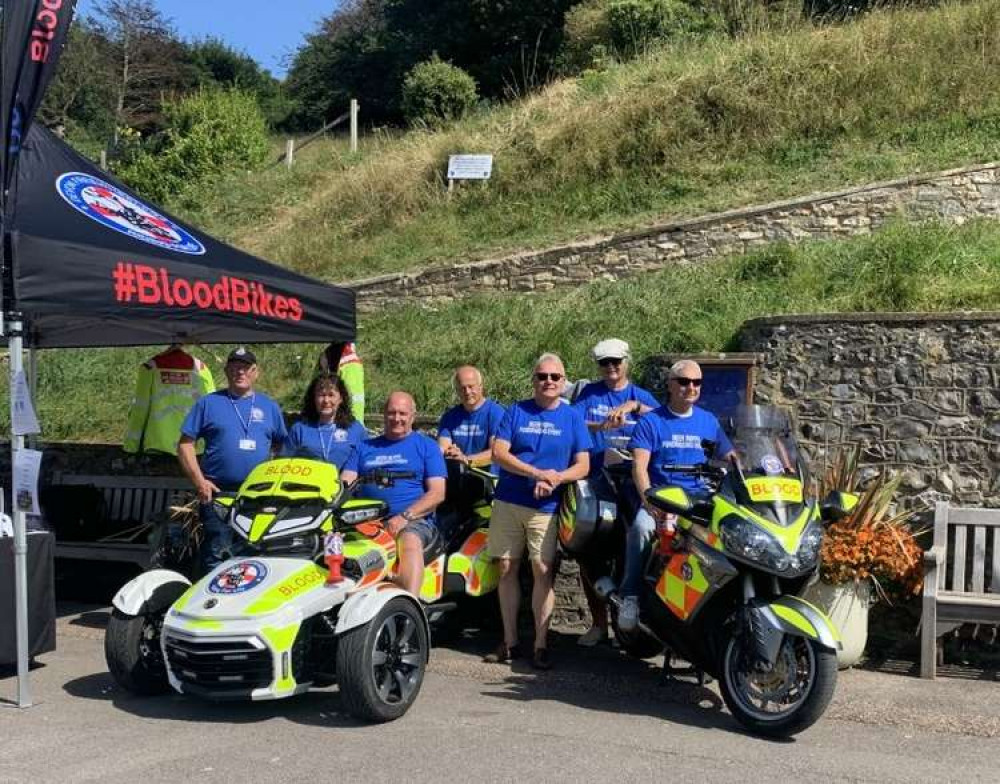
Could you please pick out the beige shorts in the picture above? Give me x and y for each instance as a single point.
(513, 526)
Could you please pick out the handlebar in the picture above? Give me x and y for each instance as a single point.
(383, 477)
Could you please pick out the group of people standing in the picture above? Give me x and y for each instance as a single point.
(536, 446)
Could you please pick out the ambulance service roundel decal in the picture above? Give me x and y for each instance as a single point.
(113, 208)
(239, 577)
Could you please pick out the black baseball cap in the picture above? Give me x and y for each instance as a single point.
(242, 354)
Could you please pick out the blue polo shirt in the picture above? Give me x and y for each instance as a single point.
(471, 431)
(543, 438)
(676, 440)
(238, 432)
(330, 443)
(596, 401)
(416, 453)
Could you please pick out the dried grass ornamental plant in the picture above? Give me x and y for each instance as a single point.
(874, 541)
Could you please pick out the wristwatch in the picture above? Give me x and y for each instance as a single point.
(408, 516)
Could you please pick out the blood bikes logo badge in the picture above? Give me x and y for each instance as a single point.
(239, 577)
(113, 208)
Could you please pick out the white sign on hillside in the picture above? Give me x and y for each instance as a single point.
(470, 167)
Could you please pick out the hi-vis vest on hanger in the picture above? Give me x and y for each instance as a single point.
(165, 389)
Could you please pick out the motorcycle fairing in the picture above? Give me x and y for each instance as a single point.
(373, 551)
(691, 578)
(798, 617)
(265, 616)
(292, 478)
(473, 563)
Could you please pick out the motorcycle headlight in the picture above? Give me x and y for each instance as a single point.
(743, 538)
(355, 516)
(808, 553)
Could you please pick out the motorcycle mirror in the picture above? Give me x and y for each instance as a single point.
(837, 505)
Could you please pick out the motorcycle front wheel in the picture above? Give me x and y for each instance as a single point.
(784, 699)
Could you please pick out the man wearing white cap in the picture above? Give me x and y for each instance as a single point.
(610, 407)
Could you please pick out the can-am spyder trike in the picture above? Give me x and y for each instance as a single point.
(273, 623)
(722, 577)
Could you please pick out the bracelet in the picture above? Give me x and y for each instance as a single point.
(408, 516)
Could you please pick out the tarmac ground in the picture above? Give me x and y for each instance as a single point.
(598, 716)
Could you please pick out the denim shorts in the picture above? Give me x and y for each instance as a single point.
(421, 528)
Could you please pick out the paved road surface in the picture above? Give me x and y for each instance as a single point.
(599, 717)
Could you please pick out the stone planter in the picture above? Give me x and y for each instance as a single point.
(847, 605)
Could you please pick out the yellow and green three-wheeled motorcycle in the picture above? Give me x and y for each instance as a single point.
(269, 624)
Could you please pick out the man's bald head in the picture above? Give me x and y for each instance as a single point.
(398, 415)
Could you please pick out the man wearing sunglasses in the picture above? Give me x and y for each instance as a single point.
(542, 443)
(610, 407)
(670, 435)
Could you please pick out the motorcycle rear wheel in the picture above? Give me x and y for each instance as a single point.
(786, 699)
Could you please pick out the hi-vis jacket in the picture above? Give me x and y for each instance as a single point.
(352, 373)
(165, 389)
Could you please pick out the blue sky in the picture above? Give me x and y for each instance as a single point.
(268, 31)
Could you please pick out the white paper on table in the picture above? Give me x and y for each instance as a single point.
(23, 421)
(27, 466)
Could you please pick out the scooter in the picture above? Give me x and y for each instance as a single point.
(721, 579)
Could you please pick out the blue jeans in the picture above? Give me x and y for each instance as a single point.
(216, 539)
(636, 537)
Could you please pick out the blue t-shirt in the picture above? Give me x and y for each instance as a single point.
(596, 401)
(547, 439)
(416, 453)
(471, 431)
(676, 440)
(238, 433)
(330, 442)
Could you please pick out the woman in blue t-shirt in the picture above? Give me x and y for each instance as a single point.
(327, 431)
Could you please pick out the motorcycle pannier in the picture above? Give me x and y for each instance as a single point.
(587, 512)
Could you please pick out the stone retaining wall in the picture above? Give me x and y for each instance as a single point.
(920, 392)
(956, 196)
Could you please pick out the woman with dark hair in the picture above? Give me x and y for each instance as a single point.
(327, 431)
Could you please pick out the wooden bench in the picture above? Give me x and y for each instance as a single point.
(961, 577)
(129, 502)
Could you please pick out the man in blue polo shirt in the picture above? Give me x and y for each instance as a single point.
(411, 500)
(466, 431)
(241, 429)
(671, 435)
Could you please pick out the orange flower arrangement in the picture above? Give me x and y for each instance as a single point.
(872, 541)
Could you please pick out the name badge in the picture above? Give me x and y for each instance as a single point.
(248, 444)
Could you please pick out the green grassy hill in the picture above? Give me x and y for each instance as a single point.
(681, 132)
(83, 394)
(689, 129)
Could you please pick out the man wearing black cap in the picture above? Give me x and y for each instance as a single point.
(240, 428)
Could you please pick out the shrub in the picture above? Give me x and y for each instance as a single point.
(435, 92)
(634, 25)
(208, 133)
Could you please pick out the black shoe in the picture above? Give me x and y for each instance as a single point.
(541, 660)
(503, 654)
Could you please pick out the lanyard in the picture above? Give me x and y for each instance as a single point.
(245, 422)
(325, 445)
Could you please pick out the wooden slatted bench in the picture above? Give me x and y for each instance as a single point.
(961, 578)
(129, 501)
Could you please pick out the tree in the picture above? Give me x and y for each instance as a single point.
(214, 63)
(435, 92)
(365, 49)
(148, 59)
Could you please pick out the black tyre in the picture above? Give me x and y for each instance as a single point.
(785, 699)
(133, 653)
(381, 665)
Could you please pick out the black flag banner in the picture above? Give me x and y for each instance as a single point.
(34, 32)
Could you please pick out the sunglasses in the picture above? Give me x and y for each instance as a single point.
(684, 382)
(548, 376)
(608, 361)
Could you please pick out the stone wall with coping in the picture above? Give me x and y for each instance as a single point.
(919, 392)
(956, 196)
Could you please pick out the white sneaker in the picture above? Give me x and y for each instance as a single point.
(628, 614)
(593, 636)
